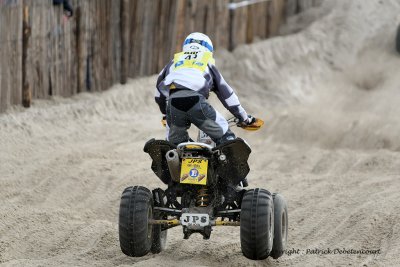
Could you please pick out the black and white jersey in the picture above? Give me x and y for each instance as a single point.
(196, 71)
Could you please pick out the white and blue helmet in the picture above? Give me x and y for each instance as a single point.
(197, 41)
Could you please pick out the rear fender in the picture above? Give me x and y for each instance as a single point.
(157, 150)
(236, 167)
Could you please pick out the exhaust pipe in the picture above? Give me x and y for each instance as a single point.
(173, 164)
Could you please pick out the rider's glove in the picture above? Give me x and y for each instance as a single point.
(250, 120)
(164, 120)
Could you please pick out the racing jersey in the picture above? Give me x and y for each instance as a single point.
(196, 71)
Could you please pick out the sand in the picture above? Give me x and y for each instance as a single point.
(329, 94)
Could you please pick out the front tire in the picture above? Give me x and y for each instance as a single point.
(257, 224)
(135, 211)
(280, 226)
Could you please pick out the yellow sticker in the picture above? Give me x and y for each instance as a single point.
(194, 171)
(193, 60)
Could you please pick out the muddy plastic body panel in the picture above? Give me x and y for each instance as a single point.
(235, 168)
(157, 150)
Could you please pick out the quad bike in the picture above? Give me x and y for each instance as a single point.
(204, 189)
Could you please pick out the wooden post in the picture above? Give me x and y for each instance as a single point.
(180, 25)
(26, 32)
(221, 24)
(276, 13)
(124, 41)
(231, 43)
(250, 24)
(79, 50)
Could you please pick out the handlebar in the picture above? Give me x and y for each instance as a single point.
(256, 125)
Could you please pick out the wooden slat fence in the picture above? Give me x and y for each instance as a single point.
(43, 53)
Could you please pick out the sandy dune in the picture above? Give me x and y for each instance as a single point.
(330, 97)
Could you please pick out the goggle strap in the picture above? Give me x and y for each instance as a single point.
(203, 43)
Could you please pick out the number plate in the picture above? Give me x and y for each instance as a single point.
(195, 219)
(194, 171)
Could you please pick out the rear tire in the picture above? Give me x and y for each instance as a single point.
(280, 226)
(256, 224)
(135, 211)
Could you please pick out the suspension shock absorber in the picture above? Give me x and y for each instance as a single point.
(202, 198)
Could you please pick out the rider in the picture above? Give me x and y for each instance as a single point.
(183, 87)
